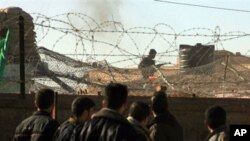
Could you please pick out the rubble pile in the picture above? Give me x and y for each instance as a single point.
(9, 19)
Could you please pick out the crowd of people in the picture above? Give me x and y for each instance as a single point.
(150, 121)
(110, 123)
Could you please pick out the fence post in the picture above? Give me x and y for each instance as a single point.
(22, 56)
(225, 74)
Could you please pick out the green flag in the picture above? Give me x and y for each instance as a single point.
(4, 43)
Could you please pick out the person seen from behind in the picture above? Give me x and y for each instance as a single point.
(215, 121)
(139, 113)
(40, 126)
(164, 126)
(82, 109)
(109, 124)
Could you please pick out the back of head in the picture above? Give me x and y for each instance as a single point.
(215, 116)
(159, 102)
(152, 51)
(80, 104)
(139, 110)
(44, 98)
(115, 95)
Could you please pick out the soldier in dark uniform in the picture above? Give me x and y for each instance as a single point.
(146, 64)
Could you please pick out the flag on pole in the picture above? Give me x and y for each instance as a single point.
(4, 43)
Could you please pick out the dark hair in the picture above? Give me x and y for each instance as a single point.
(139, 110)
(215, 116)
(80, 104)
(152, 51)
(115, 95)
(44, 98)
(159, 102)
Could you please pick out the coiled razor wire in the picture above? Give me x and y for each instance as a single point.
(108, 52)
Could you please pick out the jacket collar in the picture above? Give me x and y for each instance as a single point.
(45, 113)
(165, 117)
(222, 128)
(137, 124)
(74, 120)
(111, 114)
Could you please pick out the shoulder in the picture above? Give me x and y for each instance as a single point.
(146, 59)
(219, 136)
(35, 119)
(24, 123)
(113, 128)
(64, 131)
(157, 127)
(45, 123)
(65, 126)
(120, 123)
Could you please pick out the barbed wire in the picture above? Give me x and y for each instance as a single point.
(100, 28)
(105, 46)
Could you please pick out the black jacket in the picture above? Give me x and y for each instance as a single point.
(165, 128)
(108, 125)
(142, 131)
(38, 127)
(69, 130)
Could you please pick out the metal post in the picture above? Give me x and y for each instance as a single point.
(225, 71)
(225, 75)
(22, 56)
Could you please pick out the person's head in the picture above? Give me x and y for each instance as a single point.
(115, 96)
(160, 88)
(44, 99)
(82, 108)
(140, 111)
(152, 53)
(159, 103)
(215, 117)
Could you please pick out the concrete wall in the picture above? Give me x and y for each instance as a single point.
(189, 112)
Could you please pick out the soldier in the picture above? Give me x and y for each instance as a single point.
(146, 63)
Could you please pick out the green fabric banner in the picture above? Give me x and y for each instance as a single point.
(4, 43)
